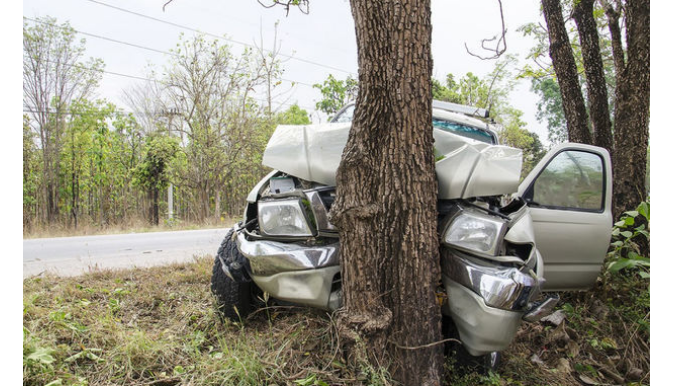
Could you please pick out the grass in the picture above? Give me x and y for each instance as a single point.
(160, 326)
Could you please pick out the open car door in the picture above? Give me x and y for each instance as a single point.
(569, 196)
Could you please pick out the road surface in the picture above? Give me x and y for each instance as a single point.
(69, 256)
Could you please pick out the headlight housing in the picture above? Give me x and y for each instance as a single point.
(284, 218)
(475, 232)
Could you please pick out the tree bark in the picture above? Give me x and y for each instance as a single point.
(632, 112)
(566, 71)
(387, 190)
(594, 73)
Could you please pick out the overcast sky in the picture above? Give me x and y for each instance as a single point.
(320, 43)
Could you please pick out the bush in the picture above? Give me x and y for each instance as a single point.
(627, 235)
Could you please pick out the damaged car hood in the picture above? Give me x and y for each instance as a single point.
(468, 168)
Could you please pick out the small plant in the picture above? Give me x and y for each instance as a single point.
(625, 252)
(311, 381)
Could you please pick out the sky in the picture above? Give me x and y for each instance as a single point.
(313, 45)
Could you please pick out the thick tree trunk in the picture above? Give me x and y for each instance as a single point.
(594, 73)
(387, 190)
(566, 71)
(632, 112)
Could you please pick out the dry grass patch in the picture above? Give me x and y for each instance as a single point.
(160, 326)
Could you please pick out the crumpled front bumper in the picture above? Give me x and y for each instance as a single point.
(294, 272)
(486, 303)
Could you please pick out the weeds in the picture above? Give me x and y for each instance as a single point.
(160, 326)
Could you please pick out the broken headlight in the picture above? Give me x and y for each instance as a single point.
(283, 218)
(476, 232)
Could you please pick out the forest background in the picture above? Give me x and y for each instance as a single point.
(200, 123)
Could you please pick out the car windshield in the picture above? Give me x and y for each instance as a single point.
(464, 130)
(475, 133)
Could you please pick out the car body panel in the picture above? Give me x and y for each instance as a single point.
(482, 329)
(468, 168)
(573, 242)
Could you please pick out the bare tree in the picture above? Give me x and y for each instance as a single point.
(147, 102)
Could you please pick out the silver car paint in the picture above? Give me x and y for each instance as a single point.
(572, 243)
(470, 169)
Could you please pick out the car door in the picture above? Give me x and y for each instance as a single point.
(569, 198)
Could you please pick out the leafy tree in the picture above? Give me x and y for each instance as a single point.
(153, 172)
(632, 73)
(127, 146)
(54, 74)
(31, 163)
(209, 90)
(492, 93)
(564, 66)
(86, 160)
(294, 115)
(514, 134)
(550, 108)
(626, 71)
(335, 94)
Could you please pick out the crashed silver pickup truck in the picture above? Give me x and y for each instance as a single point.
(503, 242)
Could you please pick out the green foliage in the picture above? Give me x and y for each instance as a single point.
(225, 130)
(516, 135)
(541, 72)
(335, 94)
(550, 108)
(630, 230)
(31, 172)
(153, 171)
(469, 90)
(294, 115)
(311, 380)
(492, 92)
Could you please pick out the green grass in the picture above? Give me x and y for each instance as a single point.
(160, 326)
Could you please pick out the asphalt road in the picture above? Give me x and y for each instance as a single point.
(69, 256)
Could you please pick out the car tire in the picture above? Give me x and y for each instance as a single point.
(236, 299)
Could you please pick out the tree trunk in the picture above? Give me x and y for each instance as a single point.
(594, 72)
(386, 203)
(216, 213)
(154, 192)
(566, 71)
(632, 112)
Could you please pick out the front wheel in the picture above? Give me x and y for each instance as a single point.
(236, 299)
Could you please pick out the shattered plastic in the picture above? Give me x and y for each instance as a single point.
(469, 168)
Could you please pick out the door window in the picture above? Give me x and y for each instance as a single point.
(572, 180)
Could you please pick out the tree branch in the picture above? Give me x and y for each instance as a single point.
(302, 5)
(501, 45)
